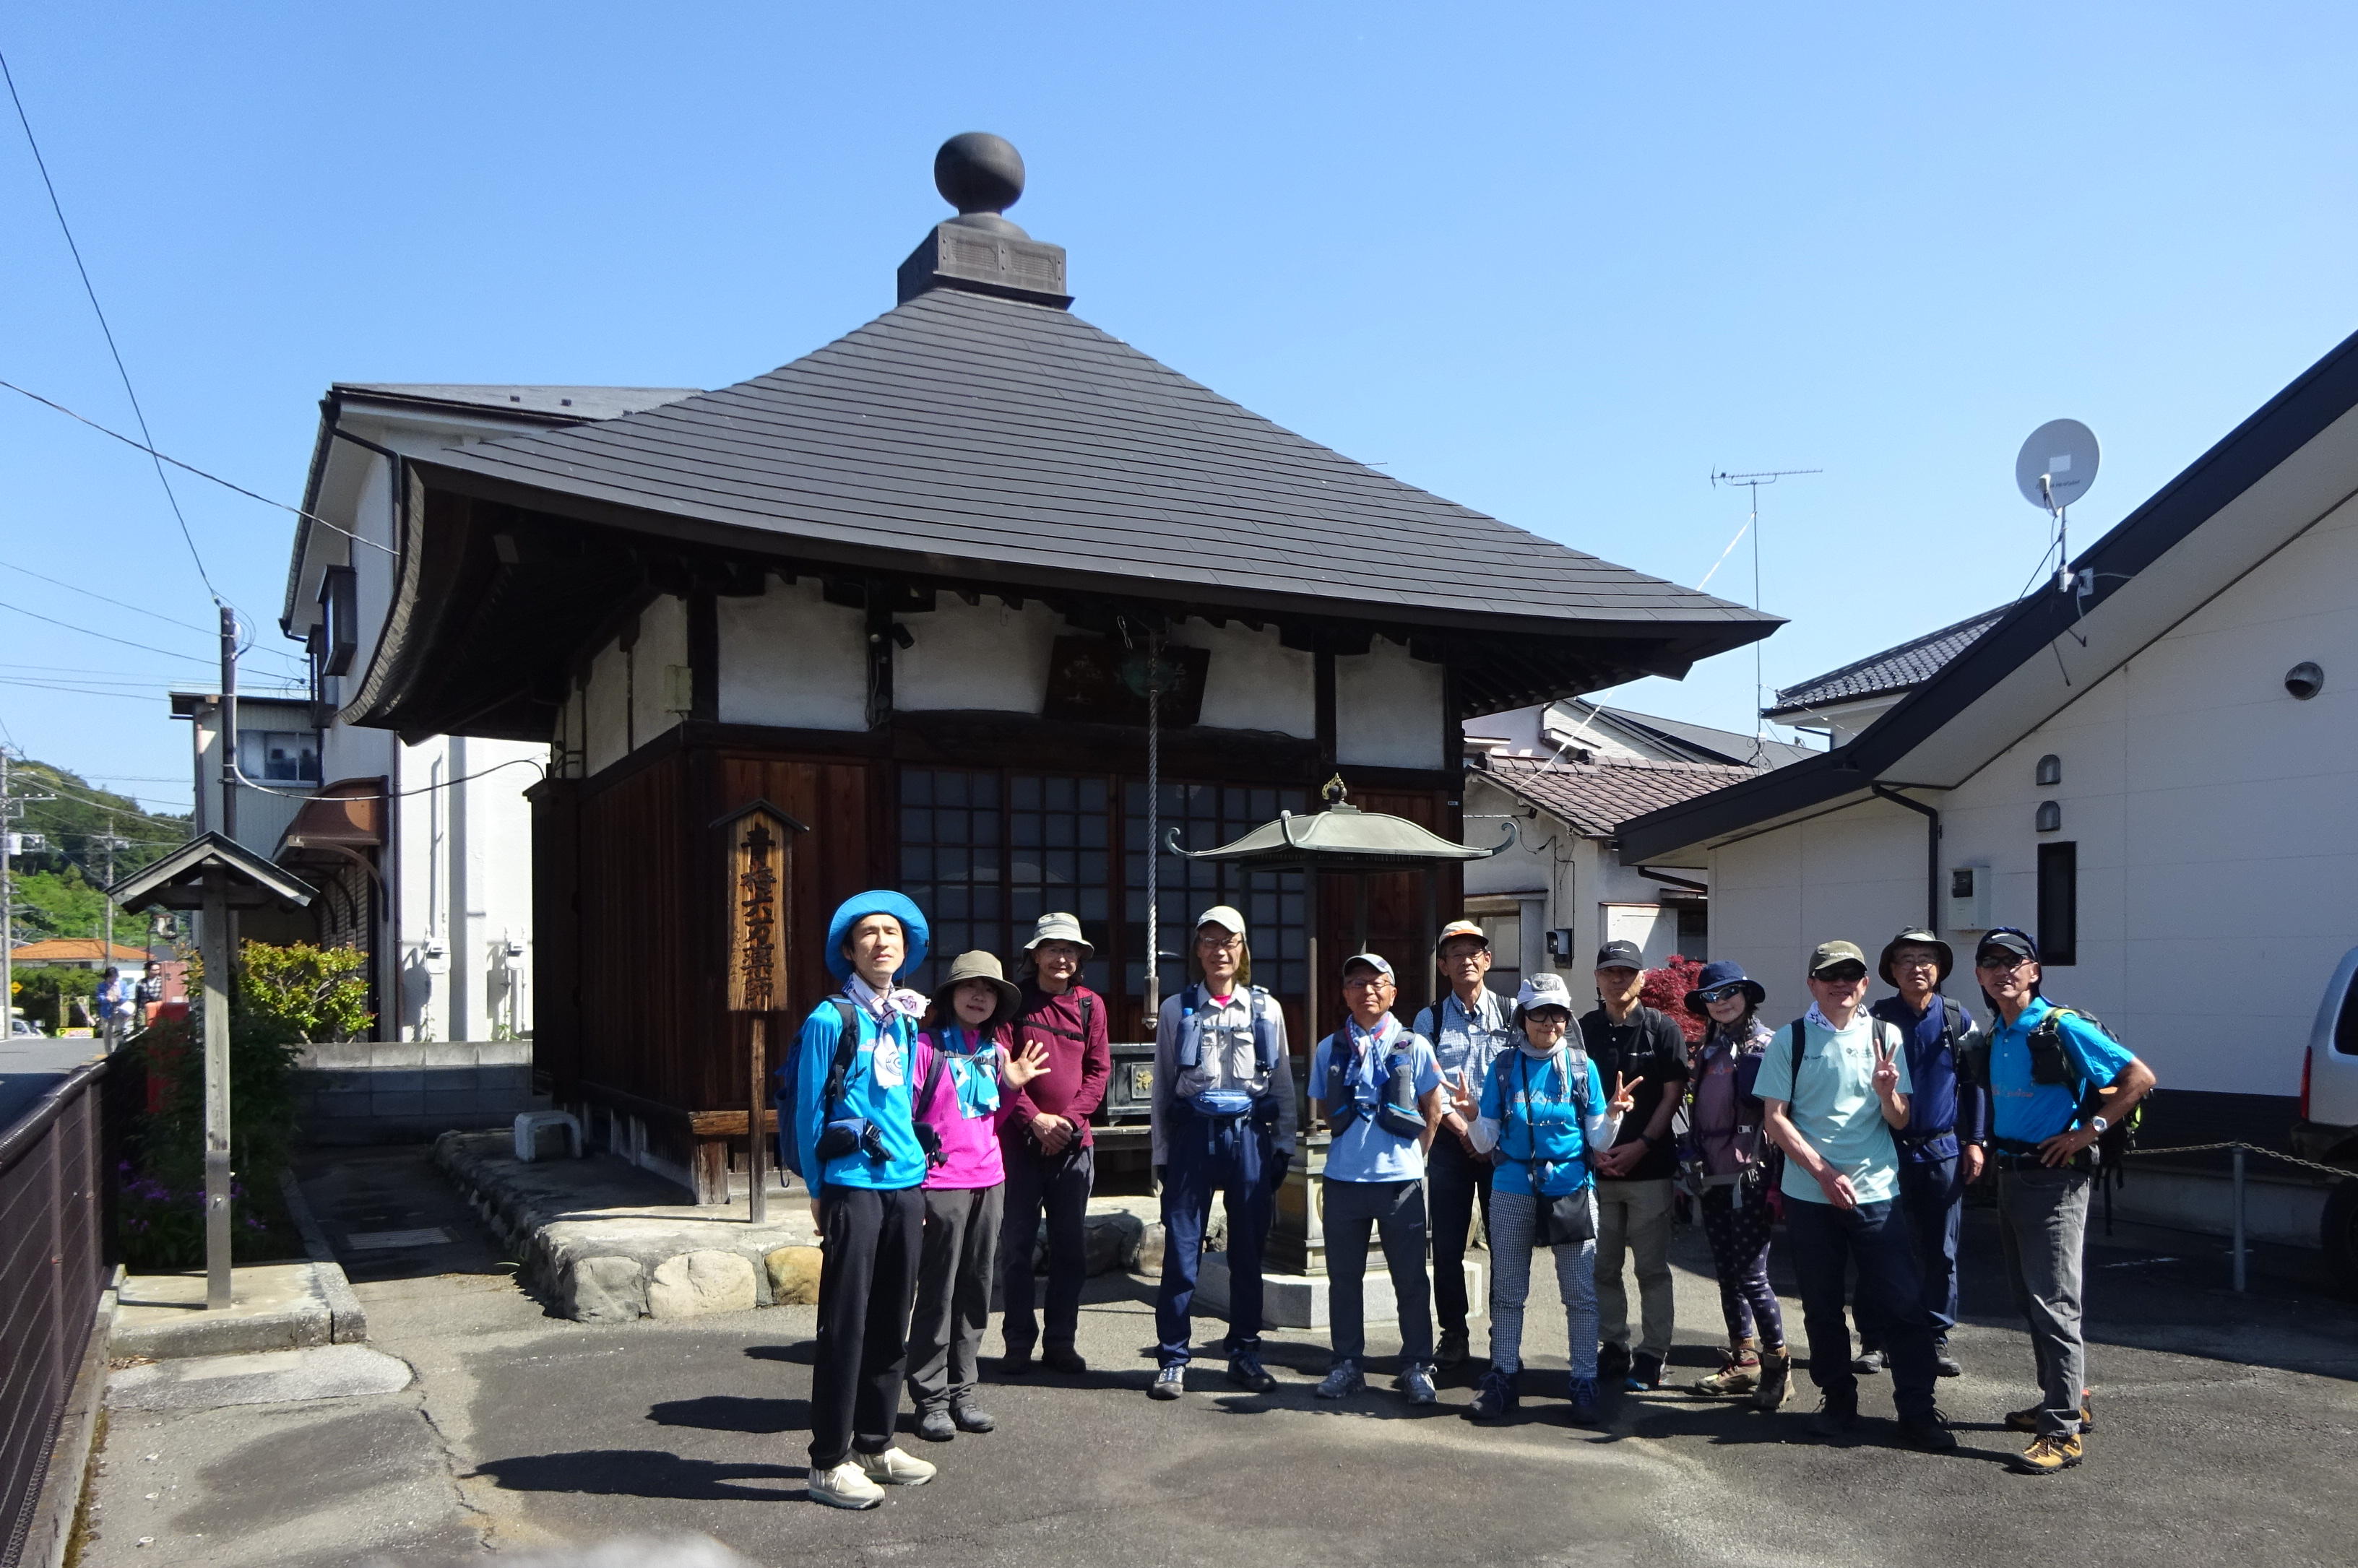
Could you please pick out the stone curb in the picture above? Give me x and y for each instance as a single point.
(347, 1323)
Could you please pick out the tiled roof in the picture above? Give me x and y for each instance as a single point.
(1902, 669)
(1596, 797)
(558, 402)
(74, 950)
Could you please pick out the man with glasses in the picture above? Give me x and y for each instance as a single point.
(1628, 1040)
(1223, 1123)
(2057, 1083)
(1834, 1087)
(1468, 1028)
(1941, 1147)
(1380, 1089)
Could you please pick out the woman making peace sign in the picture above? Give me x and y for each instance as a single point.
(1539, 1111)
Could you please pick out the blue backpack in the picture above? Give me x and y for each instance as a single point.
(1396, 1112)
(1226, 1102)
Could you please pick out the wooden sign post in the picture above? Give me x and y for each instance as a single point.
(760, 854)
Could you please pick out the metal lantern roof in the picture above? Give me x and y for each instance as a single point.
(246, 881)
(1341, 839)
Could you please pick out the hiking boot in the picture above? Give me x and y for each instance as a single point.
(1587, 1402)
(1868, 1362)
(1016, 1361)
(1064, 1358)
(1245, 1371)
(1776, 1379)
(2046, 1456)
(1932, 1435)
(1496, 1398)
(1168, 1383)
(968, 1419)
(844, 1486)
(1834, 1419)
(1612, 1360)
(1452, 1350)
(2026, 1418)
(1416, 1382)
(1739, 1374)
(894, 1469)
(1945, 1364)
(936, 1426)
(1343, 1377)
(1645, 1371)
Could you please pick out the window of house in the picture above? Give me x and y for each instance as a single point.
(279, 756)
(1506, 934)
(1273, 903)
(2059, 904)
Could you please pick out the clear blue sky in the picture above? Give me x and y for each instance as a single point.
(1557, 261)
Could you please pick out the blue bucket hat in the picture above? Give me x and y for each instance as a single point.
(877, 901)
(1726, 972)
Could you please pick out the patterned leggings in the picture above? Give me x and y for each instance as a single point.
(1514, 1220)
(1738, 1233)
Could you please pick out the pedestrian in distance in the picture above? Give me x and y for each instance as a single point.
(1223, 1123)
(1050, 1151)
(1543, 1116)
(1723, 1124)
(964, 1075)
(1635, 1203)
(1468, 1028)
(1834, 1087)
(2058, 1083)
(855, 1144)
(1941, 1149)
(1379, 1087)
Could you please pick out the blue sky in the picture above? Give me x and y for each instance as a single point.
(1556, 262)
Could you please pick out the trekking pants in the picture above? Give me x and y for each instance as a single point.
(867, 1276)
(1635, 1216)
(1230, 1156)
(1736, 1222)
(1454, 1182)
(1058, 1184)
(952, 1300)
(2043, 1229)
(1396, 1209)
(1514, 1221)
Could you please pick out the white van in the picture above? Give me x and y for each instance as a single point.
(2327, 1131)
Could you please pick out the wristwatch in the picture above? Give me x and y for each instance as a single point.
(2098, 1125)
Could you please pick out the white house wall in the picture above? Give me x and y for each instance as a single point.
(659, 677)
(1580, 886)
(1388, 710)
(2218, 855)
(791, 659)
(981, 656)
(1253, 681)
(606, 709)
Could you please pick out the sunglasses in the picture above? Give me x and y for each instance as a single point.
(1847, 974)
(2000, 963)
(1721, 993)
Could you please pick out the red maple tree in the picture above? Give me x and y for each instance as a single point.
(1666, 989)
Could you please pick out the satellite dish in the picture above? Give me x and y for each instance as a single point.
(2057, 465)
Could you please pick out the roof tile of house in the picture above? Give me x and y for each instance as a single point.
(1902, 669)
(1596, 797)
(74, 950)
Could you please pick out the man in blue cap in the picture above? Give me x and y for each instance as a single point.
(856, 1136)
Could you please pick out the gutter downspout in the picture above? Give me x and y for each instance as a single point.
(1932, 851)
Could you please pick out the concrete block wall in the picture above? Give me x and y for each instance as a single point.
(384, 1091)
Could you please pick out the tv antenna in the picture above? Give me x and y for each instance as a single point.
(1752, 482)
(2054, 468)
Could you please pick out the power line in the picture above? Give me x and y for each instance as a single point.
(120, 369)
(136, 609)
(143, 647)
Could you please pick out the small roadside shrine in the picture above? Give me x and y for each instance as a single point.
(910, 587)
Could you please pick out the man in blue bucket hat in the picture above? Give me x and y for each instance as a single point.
(856, 1139)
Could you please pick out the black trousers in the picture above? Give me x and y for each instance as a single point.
(1058, 1184)
(1453, 1181)
(867, 1280)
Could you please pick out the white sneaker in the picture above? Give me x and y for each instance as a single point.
(894, 1469)
(845, 1486)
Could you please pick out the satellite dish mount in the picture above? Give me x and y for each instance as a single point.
(2054, 468)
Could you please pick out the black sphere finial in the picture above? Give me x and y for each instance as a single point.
(978, 172)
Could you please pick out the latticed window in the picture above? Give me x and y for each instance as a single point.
(1271, 901)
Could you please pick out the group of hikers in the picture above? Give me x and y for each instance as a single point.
(937, 1137)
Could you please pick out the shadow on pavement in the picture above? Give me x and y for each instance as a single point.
(734, 1412)
(801, 1353)
(638, 1473)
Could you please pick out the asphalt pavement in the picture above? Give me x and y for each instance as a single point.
(31, 1064)
(2226, 1424)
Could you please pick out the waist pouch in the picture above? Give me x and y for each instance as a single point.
(1570, 1219)
(1397, 1121)
(2025, 1156)
(1224, 1105)
(849, 1136)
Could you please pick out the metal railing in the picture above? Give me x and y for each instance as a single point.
(2239, 1246)
(56, 1251)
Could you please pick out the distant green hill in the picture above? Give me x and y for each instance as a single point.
(58, 885)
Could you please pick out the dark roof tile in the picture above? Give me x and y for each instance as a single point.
(1596, 797)
(1899, 669)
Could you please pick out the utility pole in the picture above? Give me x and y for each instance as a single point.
(106, 939)
(1752, 482)
(7, 903)
(228, 722)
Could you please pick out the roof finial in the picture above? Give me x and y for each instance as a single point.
(981, 174)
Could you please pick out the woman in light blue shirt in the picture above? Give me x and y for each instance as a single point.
(1541, 1111)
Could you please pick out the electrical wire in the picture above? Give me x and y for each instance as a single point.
(191, 468)
(143, 647)
(136, 609)
(120, 369)
(394, 794)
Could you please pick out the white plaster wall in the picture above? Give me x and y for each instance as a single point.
(659, 688)
(789, 658)
(1254, 682)
(1855, 875)
(1388, 710)
(606, 709)
(2218, 851)
(974, 657)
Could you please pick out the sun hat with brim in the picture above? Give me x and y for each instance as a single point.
(1828, 955)
(1060, 927)
(1375, 961)
(1944, 956)
(1539, 991)
(1718, 976)
(1457, 928)
(915, 932)
(978, 965)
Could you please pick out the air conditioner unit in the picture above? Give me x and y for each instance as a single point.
(1969, 898)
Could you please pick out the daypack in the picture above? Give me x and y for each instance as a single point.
(2052, 1063)
(1575, 1070)
(1088, 1014)
(847, 1048)
(1396, 1112)
(1226, 1102)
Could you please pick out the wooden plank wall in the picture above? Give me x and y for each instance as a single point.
(637, 1030)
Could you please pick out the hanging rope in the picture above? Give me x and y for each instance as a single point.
(1154, 826)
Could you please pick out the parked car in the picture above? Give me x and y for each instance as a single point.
(18, 1025)
(2327, 1131)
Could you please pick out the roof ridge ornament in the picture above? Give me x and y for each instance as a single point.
(980, 251)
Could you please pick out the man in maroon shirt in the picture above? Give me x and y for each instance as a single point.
(1045, 1135)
